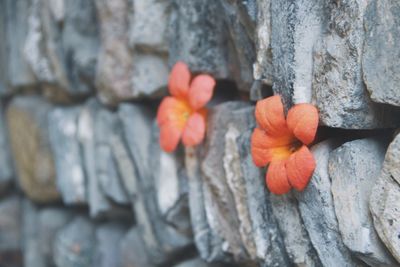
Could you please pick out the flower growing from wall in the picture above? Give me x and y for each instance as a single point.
(183, 115)
(282, 143)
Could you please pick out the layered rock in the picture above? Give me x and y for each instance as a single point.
(353, 168)
(384, 200)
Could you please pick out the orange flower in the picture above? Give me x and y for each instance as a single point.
(183, 114)
(282, 143)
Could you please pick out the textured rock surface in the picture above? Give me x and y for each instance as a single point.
(353, 168)
(318, 213)
(380, 64)
(295, 27)
(385, 199)
(338, 88)
(64, 131)
(75, 244)
(61, 46)
(133, 253)
(28, 130)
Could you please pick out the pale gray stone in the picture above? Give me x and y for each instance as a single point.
(385, 200)
(64, 139)
(108, 237)
(28, 126)
(132, 251)
(338, 88)
(318, 213)
(75, 244)
(380, 54)
(353, 168)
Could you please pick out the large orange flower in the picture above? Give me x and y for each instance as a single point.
(282, 143)
(183, 115)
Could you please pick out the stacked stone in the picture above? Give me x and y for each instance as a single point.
(83, 181)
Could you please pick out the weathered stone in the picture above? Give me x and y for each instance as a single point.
(318, 214)
(31, 239)
(51, 220)
(10, 222)
(295, 28)
(106, 128)
(61, 46)
(353, 169)
(263, 68)
(14, 69)
(28, 130)
(295, 237)
(108, 237)
(146, 32)
(161, 239)
(197, 37)
(114, 71)
(75, 244)
(6, 167)
(380, 64)
(385, 200)
(267, 237)
(197, 262)
(64, 139)
(338, 88)
(219, 200)
(133, 253)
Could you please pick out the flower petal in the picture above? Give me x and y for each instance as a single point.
(302, 120)
(276, 178)
(201, 91)
(265, 148)
(270, 115)
(194, 131)
(170, 134)
(300, 167)
(179, 80)
(172, 109)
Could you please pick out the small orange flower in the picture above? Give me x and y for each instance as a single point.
(183, 114)
(283, 143)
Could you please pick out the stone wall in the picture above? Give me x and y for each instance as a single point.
(83, 181)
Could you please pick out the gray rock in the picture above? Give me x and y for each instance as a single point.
(197, 262)
(219, 201)
(115, 68)
(50, 221)
(267, 237)
(14, 70)
(10, 222)
(296, 239)
(318, 214)
(6, 167)
(385, 200)
(263, 68)
(31, 239)
(296, 26)
(108, 237)
(338, 88)
(380, 54)
(161, 239)
(28, 130)
(197, 37)
(147, 33)
(61, 46)
(64, 139)
(353, 169)
(133, 253)
(75, 244)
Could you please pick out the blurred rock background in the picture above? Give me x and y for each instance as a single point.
(83, 181)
